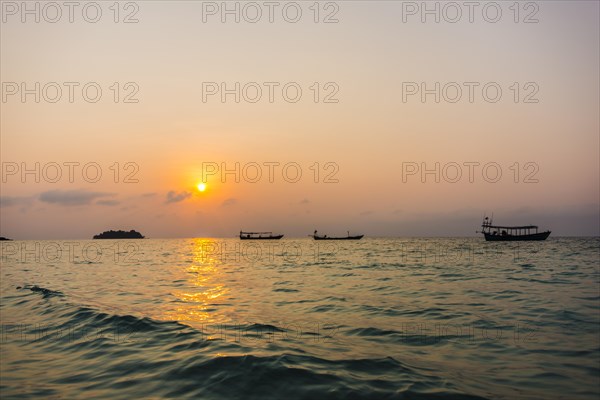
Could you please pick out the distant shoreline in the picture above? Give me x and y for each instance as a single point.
(298, 238)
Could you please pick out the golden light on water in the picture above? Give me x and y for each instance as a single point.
(196, 307)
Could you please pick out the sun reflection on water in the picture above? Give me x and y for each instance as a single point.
(198, 303)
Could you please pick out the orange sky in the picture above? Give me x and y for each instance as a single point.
(369, 134)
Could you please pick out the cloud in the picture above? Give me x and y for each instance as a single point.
(108, 202)
(174, 197)
(10, 201)
(152, 194)
(72, 197)
(365, 213)
(229, 202)
(305, 201)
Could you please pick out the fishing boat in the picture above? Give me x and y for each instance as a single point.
(259, 236)
(325, 237)
(496, 233)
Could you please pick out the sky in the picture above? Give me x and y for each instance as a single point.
(367, 116)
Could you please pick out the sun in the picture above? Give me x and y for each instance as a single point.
(201, 186)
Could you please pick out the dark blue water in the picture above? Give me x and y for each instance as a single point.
(297, 319)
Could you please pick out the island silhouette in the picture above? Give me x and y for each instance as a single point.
(3, 238)
(119, 235)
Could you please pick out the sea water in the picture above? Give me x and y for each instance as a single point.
(298, 319)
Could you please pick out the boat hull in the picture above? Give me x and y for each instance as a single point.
(339, 238)
(517, 238)
(275, 237)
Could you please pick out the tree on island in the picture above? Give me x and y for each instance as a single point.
(119, 235)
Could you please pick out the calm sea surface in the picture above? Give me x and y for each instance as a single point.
(299, 319)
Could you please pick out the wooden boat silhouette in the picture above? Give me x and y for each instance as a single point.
(496, 233)
(325, 237)
(259, 236)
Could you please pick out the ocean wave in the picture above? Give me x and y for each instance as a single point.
(43, 291)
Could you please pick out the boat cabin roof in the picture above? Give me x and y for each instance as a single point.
(511, 227)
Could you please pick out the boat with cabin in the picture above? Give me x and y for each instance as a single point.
(259, 236)
(497, 233)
